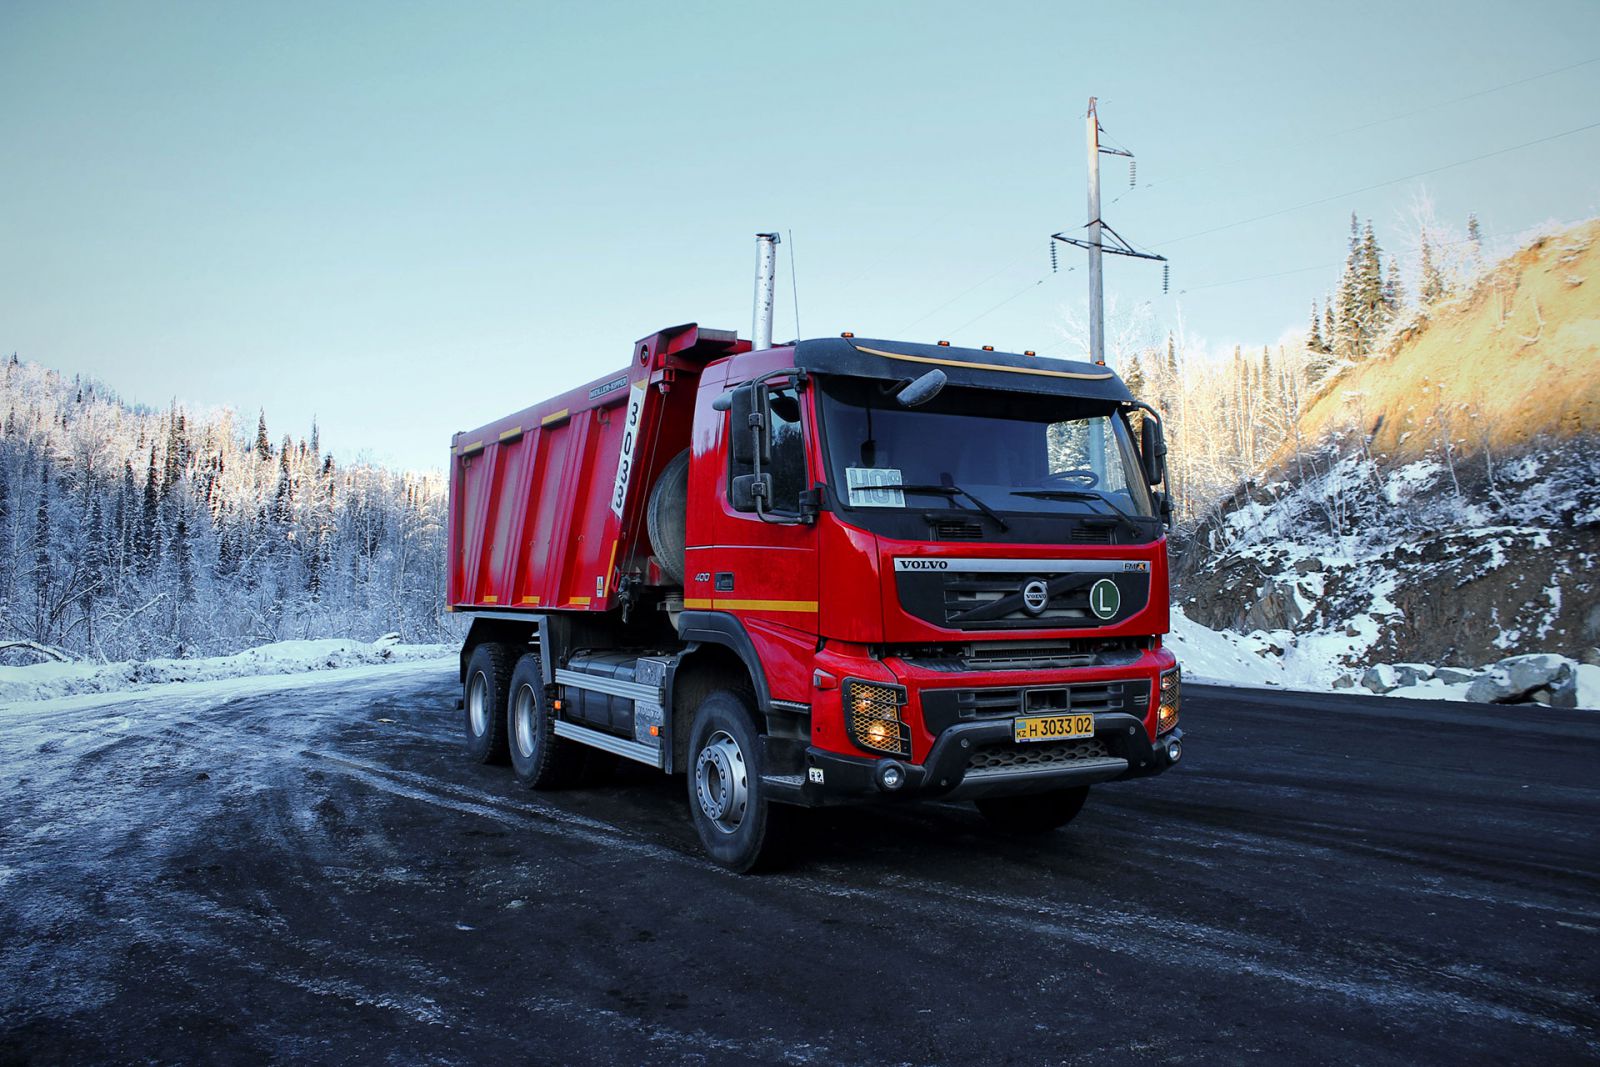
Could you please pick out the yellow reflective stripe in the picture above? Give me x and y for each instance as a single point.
(554, 416)
(476, 446)
(580, 601)
(985, 366)
(696, 603)
(765, 605)
(506, 435)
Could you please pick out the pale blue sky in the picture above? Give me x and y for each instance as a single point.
(409, 219)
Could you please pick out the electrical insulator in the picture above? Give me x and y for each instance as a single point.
(1133, 173)
(1052, 255)
(1166, 277)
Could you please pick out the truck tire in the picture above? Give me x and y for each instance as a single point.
(1034, 813)
(539, 758)
(667, 516)
(726, 798)
(483, 701)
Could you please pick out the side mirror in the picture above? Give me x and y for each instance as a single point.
(750, 489)
(1153, 451)
(747, 425)
(922, 390)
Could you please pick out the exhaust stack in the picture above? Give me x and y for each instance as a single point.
(766, 271)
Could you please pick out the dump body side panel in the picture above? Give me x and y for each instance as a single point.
(547, 506)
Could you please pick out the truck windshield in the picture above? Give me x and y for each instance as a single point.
(1011, 452)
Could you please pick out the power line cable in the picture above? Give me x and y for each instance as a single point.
(1322, 138)
(997, 307)
(1377, 185)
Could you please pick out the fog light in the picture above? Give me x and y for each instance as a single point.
(1171, 699)
(891, 776)
(1174, 751)
(872, 713)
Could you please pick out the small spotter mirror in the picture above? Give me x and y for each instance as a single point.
(921, 390)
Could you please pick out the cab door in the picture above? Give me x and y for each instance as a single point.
(755, 555)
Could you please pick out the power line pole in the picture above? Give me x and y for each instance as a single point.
(1097, 312)
(1095, 242)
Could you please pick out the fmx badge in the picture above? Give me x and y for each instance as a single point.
(1104, 598)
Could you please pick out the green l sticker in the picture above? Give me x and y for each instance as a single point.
(1104, 598)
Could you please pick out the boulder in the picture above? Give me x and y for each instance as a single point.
(1307, 566)
(1344, 681)
(1278, 608)
(1514, 679)
(1380, 679)
(1411, 673)
(1455, 675)
(1591, 656)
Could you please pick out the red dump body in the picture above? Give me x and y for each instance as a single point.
(541, 508)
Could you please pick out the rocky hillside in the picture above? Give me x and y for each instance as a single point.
(1440, 503)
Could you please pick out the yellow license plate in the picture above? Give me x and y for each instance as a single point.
(1052, 727)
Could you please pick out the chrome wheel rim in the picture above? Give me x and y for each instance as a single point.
(523, 720)
(722, 782)
(478, 704)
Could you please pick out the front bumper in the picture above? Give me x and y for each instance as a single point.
(947, 773)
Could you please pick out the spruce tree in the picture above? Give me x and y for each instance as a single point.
(1394, 294)
(1430, 283)
(149, 520)
(263, 443)
(1314, 342)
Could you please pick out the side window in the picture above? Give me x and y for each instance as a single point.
(788, 463)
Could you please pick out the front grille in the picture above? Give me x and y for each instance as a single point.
(1038, 754)
(942, 708)
(1024, 655)
(955, 597)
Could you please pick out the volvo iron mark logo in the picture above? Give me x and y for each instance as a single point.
(1035, 597)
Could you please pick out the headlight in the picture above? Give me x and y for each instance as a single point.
(872, 711)
(1171, 699)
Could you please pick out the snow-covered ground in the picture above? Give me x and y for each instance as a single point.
(55, 681)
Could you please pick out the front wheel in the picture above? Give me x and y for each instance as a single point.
(726, 798)
(1034, 813)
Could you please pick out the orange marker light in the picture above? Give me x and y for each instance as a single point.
(847, 333)
(988, 348)
(944, 344)
(1029, 352)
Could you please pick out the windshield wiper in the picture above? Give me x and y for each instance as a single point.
(955, 491)
(1086, 496)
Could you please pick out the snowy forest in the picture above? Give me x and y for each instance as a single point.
(131, 533)
(1228, 417)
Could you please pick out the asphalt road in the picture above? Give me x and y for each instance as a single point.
(318, 875)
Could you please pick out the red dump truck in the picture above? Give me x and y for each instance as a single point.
(831, 571)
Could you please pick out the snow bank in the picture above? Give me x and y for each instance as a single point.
(1209, 655)
(1281, 660)
(47, 681)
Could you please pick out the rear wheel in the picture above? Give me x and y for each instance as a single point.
(1034, 813)
(484, 702)
(539, 758)
(726, 798)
